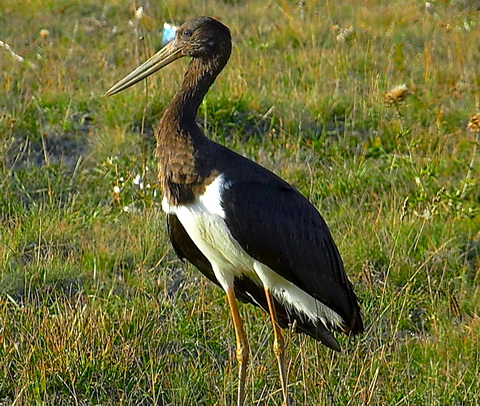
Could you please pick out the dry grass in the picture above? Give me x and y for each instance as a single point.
(94, 306)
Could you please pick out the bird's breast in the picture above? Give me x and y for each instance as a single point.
(204, 221)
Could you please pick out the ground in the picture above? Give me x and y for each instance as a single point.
(366, 107)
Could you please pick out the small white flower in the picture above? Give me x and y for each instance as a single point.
(121, 179)
(126, 209)
(116, 190)
(138, 181)
(139, 13)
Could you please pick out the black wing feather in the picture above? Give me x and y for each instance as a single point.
(245, 289)
(279, 227)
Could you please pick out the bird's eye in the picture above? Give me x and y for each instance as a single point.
(187, 33)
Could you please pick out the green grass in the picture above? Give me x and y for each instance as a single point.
(95, 308)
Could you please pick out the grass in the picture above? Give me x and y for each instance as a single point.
(95, 308)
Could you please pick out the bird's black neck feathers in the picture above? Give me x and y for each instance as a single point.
(182, 167)
(198, 78)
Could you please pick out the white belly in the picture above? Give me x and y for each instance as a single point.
(204, 221)
(210, 234)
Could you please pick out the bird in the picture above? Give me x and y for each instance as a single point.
(245, 228)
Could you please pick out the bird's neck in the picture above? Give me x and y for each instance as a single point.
(199, 77)
(182, 148)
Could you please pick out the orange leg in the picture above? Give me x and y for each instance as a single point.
(242, 345)
(278, 347)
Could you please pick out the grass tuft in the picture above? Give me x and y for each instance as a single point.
(370, 109)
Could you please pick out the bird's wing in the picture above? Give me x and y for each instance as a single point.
(279, 227)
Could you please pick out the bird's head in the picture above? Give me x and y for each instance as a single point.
(203, 37)
(200, 37)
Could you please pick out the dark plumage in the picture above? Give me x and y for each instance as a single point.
(235, 220)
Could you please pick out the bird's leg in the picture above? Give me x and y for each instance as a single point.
(278, 347)
(242, 345)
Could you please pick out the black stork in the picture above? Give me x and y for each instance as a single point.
(242, 226)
